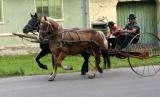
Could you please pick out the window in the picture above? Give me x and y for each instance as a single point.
(52, 8)
(1, 10)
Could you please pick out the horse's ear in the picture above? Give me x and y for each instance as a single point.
(36, 15)
(31, 14)
(45, 18)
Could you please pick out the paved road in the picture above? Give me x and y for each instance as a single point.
(113, 83)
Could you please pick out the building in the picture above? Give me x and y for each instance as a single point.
(14, 14)
(147, 12)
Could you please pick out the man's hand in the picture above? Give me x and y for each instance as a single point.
(128, 31)
(122, 31)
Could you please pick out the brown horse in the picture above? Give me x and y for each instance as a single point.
(63, 43)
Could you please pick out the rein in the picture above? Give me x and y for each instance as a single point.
(70, 43)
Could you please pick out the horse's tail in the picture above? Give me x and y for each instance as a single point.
(105, 50)
(106, 59)
(105, 42)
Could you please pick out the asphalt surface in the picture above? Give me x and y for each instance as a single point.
(112, 83)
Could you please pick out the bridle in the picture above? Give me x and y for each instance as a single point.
(48, 31)
(48, 28)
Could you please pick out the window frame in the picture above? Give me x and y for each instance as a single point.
(2, 14)
(59, 20)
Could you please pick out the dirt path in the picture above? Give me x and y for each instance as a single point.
(17, 50)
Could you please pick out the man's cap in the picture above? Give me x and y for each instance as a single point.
(131, 16)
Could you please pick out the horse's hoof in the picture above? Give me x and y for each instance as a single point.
(51, 79)
(100, 70)
(68, 68)
(109, 68)
(83, 72)
(44, 67)
(91, 76)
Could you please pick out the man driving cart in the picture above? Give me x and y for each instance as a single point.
(125, 35)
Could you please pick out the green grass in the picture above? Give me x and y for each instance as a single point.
(19, 65)
(26, 65)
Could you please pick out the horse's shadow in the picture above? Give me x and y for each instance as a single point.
(69, 77)
(109, 74)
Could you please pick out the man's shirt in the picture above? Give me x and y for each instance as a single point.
(130, 26)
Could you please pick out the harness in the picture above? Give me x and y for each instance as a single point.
(61, 42)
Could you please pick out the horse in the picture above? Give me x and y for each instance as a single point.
(63, 43)
(33, 25)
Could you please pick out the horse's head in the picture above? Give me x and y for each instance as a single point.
(32, 24)
(47, 28)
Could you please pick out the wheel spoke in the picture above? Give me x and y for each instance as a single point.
(149, 63)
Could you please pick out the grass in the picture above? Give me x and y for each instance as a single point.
(19, 65)
(26, 65)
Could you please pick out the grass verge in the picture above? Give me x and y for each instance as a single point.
(19, 65)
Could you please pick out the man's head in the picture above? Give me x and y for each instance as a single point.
(110, 24)
(132, 18)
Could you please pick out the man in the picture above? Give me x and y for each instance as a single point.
(113, 34)
(131, 29)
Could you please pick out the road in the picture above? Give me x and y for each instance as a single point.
(112, 83)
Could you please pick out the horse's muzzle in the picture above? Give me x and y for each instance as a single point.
(25, 31)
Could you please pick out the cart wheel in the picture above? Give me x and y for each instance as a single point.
(144, 56)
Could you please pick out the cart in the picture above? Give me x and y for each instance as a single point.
(144, 56)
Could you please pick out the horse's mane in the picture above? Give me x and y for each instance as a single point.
(52, 20)
(48, 18)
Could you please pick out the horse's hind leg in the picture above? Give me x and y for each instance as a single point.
(84, 68)
(97, 55)
(97, 58)
(106, 58)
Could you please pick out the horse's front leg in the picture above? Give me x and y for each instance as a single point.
(40, 55)
(54, 72)
(53, 75)
(53, 61)
(58, 60)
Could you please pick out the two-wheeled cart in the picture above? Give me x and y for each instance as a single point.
(144, 56)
